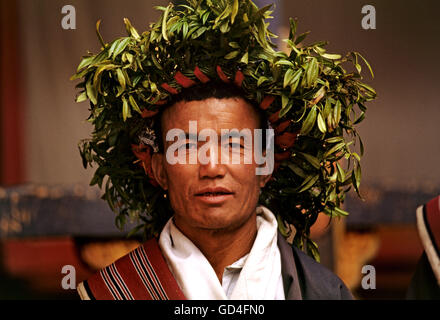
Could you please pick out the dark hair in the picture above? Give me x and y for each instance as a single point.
(203, 91)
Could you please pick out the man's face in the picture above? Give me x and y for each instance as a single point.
(211, 196)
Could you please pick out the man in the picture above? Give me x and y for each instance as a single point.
(220, 244)
(195, 102)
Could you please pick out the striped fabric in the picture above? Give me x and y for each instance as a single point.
(142, 274)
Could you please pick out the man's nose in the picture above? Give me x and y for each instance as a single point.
(213, 168)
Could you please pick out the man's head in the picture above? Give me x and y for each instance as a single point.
(215, 195)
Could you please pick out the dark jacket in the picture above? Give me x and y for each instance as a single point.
(306, 279)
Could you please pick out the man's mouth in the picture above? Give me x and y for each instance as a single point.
(212, 194)
(213, 191)
(215, 195)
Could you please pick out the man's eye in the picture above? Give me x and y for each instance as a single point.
(235, 145)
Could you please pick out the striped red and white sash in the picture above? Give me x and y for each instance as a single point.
(143, 274)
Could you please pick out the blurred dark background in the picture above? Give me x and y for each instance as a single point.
(49, 217)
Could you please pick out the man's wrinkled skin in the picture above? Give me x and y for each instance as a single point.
(221, 224)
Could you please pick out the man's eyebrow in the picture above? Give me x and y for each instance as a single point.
(230, 134)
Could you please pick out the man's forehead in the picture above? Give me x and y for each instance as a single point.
(214, 113)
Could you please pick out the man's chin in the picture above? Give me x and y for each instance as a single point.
(221, 218)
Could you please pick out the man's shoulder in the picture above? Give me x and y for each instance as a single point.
(317, 281)
(141, 274)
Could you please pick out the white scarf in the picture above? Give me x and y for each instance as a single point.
(260, 278)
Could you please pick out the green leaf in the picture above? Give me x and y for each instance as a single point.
(360, 119)
(341, 212)
(125, 109)
(327, 108)
(366, 62)
(282, 227)
(199, 32)
(312, 248)
(288, 76)
(337, 112)
(155, 62)
(245, 58)
(98, 75)
(356, 177)
(113, 47)
(134, 105)
(331, 56)
(301, 37)
(284, 101)
(205, 17)
(185, 29)
(121, 78)
(164, 22)
(334, 139)
(98, 23)
(361, 146)
(130, 30)
(261, 80)
(295, 81)
(341, 173)
(308, 183)
(232, 55)
(334, 149)
(82, 97)
(293, 25)
(85, 62)
(311, 159)
(222, 16)
(356, 156)
(297, 170)
(234, 11)
(260, 13)
(286, 109)
(309, 122)
(312, 72)
(367, 87)
(91, 92)
(284, 63)
(321, 124)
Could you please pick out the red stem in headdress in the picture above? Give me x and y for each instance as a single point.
(222, 75)
(239, 77)
(183, 80)
(267, 101)
(200, 75)
(169, 88)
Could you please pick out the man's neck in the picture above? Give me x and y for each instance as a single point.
(223, 247)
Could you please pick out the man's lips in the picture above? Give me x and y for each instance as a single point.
(216, 195)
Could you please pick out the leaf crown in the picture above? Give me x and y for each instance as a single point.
(312, 101)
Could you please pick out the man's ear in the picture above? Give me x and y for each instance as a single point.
(157, 165)
(264, 180)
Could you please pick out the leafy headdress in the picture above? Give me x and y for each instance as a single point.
(310, 99)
